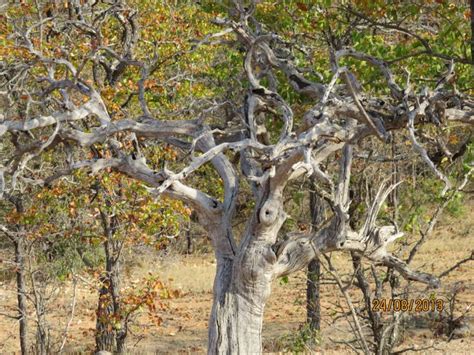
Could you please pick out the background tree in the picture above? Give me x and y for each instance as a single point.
(313, 300)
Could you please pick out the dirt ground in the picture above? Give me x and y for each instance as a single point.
(184, 325)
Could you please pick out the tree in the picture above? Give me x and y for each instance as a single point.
(63, 98)
(39, 270)
(127, 217)
(313, 302)
(18, 242)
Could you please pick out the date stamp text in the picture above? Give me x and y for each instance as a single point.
(407, 305)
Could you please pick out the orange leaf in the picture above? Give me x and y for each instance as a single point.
(302, 6)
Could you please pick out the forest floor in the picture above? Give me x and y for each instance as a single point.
(184, 318)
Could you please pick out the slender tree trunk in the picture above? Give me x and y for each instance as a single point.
(21, 293)
(37, 293)
(121, 331)
(109, 337)
(42, 331)
(313, 302)
(104, 335)
(189, 242)
(111, 329)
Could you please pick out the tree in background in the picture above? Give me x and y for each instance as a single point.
(128, 217)
(313, 299)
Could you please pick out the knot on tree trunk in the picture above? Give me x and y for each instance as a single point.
(269, 212)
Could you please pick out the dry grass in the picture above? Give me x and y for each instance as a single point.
(188, 273)
(184, 327)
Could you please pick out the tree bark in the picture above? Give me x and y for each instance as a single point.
(189, 241)
(108, 308)
(313, 303)
(111, 330)
(21, 294)
(235, 325)
(241, 288)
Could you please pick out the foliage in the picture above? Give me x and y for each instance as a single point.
(301, 341)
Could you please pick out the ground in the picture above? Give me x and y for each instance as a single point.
(184, 325)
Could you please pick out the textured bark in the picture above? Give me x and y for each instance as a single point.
(108, 308)
(110, 336)
(235, 325)
(21, 295)
(236, 320)
(242, 286)
(313, 301)
(221, 311)
(313, 304)
(239, 326)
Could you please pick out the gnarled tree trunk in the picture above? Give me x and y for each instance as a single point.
(243, 281)
(240, 292)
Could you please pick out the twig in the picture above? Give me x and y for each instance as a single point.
(413, 348)
(380, 135)
(434, 218)
(455, 266)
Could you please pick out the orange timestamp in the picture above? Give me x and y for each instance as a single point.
(407, 305)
